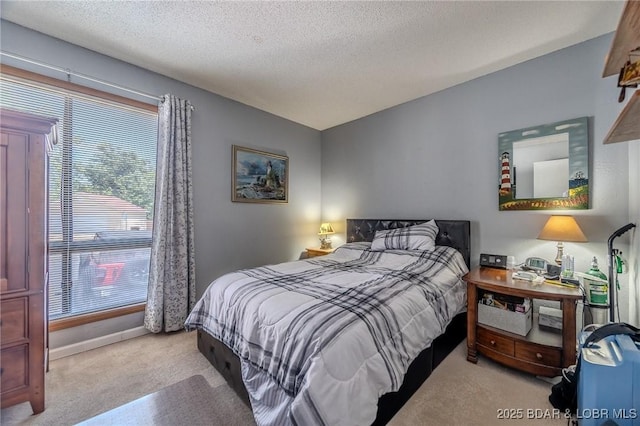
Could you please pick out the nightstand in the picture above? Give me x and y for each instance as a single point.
(540, 352)
(313, 252)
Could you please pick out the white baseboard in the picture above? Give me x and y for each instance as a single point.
(87, 345)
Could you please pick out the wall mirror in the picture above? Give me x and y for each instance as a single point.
(545, 167)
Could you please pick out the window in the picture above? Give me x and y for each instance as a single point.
(101, 191)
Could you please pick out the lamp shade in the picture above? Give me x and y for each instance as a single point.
(326, 228)
(562, 228)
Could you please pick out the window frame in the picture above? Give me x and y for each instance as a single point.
(86, 246)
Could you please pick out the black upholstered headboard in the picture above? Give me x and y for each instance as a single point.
(453, 233)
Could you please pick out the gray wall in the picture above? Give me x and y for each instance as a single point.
(433, 157)
(228, 235)
(437, 156)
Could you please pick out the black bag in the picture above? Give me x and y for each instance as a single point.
(564, 395)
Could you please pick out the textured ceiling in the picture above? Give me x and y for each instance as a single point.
(320, 63)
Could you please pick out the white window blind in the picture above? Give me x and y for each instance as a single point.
(101, 195)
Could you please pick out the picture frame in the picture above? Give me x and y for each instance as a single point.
(545, 167)
(259, 176)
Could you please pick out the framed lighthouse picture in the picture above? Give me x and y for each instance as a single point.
(545, 167)
(259, 176)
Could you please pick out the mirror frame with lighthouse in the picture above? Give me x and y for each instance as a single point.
(537, 149)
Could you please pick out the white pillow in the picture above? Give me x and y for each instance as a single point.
(416, 237)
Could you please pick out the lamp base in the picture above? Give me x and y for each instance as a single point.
(325, 243)
(560, 253)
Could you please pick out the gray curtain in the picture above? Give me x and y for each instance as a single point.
(172, 285)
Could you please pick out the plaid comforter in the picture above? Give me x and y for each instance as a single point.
(320, 340)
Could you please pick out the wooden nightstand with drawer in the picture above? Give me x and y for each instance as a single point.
(540, 352)
(313, 252)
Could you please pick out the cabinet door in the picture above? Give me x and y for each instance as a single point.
(14, 194)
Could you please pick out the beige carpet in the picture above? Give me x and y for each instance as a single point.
(461, 393)
(83, 385)
(458, 392)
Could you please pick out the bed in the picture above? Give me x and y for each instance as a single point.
(344, 338)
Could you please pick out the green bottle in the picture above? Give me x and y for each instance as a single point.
(598, 291)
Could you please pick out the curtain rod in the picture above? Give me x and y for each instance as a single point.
(77, 74)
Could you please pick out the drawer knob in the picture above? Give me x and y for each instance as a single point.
(493, 342)
(538, 355)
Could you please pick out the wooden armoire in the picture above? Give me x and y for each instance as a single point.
(23, 257)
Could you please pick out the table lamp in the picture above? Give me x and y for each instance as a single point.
(325, 240)
(562, 228)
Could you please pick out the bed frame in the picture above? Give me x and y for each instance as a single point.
(453, 233)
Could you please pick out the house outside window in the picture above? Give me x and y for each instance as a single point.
(101, 192)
